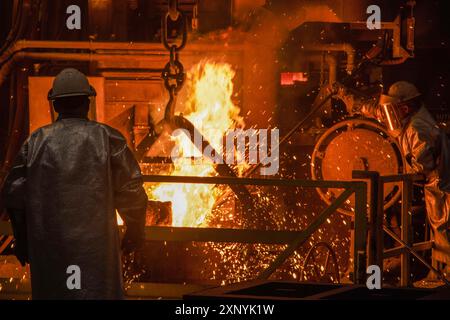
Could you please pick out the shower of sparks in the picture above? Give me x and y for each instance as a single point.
(210, 107)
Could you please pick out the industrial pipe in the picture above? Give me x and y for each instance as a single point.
(332, 63)
(96, 51)
(344, 47)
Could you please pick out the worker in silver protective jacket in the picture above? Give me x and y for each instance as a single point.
(62, 194)
(426, 149)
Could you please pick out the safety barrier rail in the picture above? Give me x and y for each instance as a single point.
(293, 239)
(407, 248)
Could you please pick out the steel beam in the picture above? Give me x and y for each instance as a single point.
(154, 233)
(406, 232)
(360, 234)
(250, 181)
(420, 246)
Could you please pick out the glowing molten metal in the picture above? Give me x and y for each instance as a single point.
(210, 108)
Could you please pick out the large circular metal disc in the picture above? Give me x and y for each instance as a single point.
(359, 149)
(356, 145)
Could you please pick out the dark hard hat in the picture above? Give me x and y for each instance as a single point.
(69, 83)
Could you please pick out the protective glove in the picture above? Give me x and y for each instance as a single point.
(131, 243)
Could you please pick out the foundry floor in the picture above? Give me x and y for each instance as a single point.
(15, 285)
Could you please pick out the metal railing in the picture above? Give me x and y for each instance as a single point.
(293, 239)
(407, 248)
(368, 234)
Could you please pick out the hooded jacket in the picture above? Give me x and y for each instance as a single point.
(62, 194)
(426, 149)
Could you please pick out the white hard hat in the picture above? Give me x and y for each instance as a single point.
(403, 91)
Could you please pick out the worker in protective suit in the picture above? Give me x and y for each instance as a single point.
(426, 149)
(62, 194)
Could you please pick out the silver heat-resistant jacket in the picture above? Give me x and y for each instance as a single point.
(62, 194)
(426, 149)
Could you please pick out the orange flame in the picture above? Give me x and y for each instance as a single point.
(210, 108)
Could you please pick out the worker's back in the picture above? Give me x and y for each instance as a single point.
(77, 173)
(69, 206)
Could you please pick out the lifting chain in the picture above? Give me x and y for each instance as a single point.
(173, 72)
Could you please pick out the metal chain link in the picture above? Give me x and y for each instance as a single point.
(173, 10)
(173, 72)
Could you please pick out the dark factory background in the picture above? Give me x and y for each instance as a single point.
(139, 21)
(283, 53)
